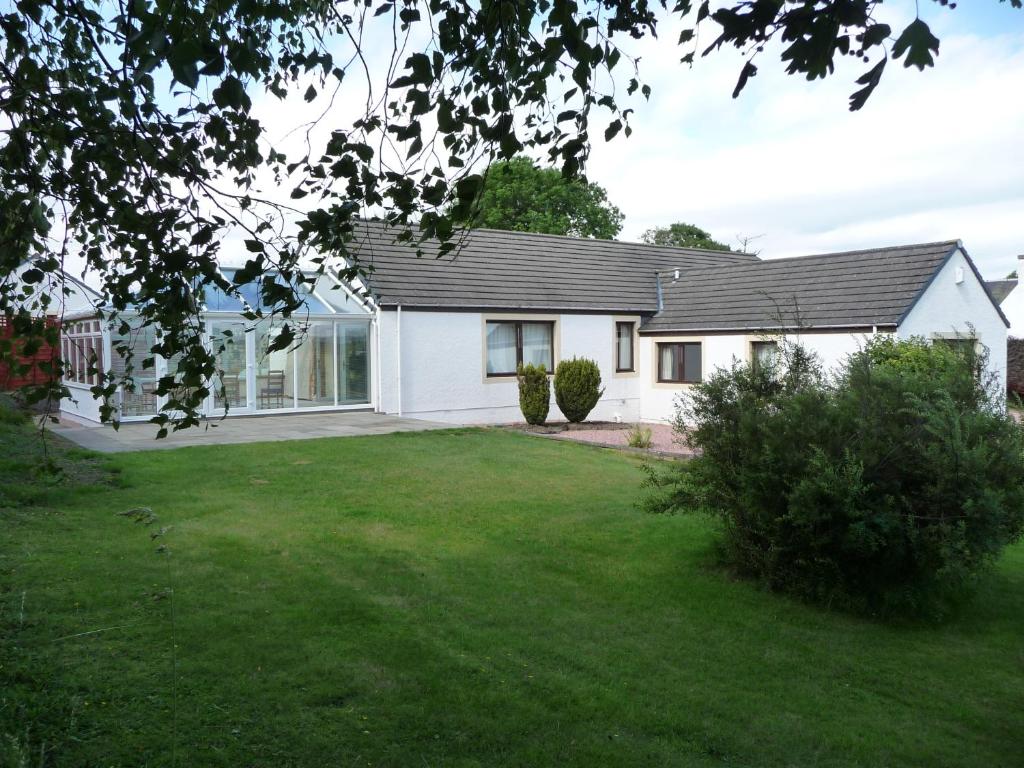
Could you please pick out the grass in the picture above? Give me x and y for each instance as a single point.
(32, 463)
(461, 598)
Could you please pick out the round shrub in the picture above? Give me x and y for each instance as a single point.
(534, 393)
(577, 388)
(886, 488)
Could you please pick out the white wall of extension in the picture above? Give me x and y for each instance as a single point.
(956, 303)
(658, 401)
(441, 374)
(1013, 305)
(81, 404)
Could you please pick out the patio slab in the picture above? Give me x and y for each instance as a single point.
(238, 429)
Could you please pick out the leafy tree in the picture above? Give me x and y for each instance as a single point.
(683, 235)
(130, 134)
(519, 195)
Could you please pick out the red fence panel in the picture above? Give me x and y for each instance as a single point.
(1015, 366)
(11, 380)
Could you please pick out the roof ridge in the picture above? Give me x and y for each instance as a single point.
(630, 243)
(633, 243)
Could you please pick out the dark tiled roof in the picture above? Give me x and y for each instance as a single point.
(519, 270)
(856, 288)
(1000, 289)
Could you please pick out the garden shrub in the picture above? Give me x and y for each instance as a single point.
(534, 392)
(577, 388)
(639, 436)
(887, 487)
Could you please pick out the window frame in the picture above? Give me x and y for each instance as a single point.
(754, 360)
(518, 323)
(631, 324)
(960, 343)
(680, 361)
(82, 353)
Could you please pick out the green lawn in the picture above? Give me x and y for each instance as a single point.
(464, 598)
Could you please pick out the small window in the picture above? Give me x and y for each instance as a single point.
(511, 342)
(962, 345)
(679, 362)
(624, 347)
(966, 348)
(763, 353)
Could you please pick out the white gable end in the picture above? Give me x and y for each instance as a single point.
(955, 302)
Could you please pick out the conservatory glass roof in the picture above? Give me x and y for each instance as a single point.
(324, 298)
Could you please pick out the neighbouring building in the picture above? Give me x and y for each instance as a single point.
(64, 294)
(1010, 297)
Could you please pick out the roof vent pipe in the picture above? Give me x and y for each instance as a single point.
(1020, 270)
(676, 277)
(657, 280)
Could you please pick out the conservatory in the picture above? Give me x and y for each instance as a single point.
(327, 368)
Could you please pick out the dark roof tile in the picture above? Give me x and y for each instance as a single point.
(521, 270)
(851, 289)
(1000, 289)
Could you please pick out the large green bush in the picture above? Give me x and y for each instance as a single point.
(534, 392)
(577, 388)
(886, 487)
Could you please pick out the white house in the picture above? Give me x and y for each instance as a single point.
(1010, 296)
(61, 292)
(440, 338)
(655, 319)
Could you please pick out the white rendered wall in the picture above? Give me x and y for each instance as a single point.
(1013, 308)
(720, 351)
(1013, 305)
(949, 308)
(442, 366)
(832, 349)
(658, 400)
(81, 404)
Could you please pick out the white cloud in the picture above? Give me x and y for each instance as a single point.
(932, 156)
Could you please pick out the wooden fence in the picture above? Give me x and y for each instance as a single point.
(11, 379)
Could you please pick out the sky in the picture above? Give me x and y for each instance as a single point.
(934, 155)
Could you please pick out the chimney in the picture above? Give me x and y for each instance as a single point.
(1020, 271)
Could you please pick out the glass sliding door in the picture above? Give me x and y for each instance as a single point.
(139, 398)
(353, 364)
(314, 366)
(183, 389)
(327, 366)
(231, 385)
(275, 375)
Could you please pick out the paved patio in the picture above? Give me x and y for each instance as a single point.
(238, 429)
